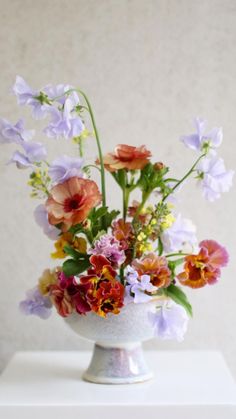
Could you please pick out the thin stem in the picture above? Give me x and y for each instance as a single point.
(140, 207)
(98, 146)
(176, 254)
(184, 177)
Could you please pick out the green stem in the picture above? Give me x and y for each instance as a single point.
(184, 177)
(140, 207)
(98, 146)
(176, 254)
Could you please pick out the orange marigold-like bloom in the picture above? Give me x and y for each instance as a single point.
(70, 202)
(127, 157)
(104, 293)
(155, 266)
(204, 268)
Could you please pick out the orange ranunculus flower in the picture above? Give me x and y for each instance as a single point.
(155, 266)
(204, 268)
(70, 202)
(127, 157)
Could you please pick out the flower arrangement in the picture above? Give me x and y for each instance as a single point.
(109, 260)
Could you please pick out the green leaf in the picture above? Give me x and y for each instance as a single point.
(179, 297)
(74, 267)
(75, 255)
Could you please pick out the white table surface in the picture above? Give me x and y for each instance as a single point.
(187, 384)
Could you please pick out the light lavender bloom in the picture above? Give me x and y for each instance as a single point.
(41, 218)
(34, 153)
(182, 232)
(202, 140)
(57, 93)
(27, 96)
(170, 321)
(65, 167)
(36, 304)
(135, 290)
(14, 133)
(213, 177)
(109, 247)
(64, 123)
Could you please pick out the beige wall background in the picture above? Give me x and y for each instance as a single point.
(148, 67)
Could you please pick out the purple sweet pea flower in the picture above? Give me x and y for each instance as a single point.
(213, 177)
(65, 167)
(182, 232)
(36, 304)
(202, 140)
(109, 247)
(34, 153)
(135, 290)
(170, 321)
(41, 218)
(14, 133)
(58, 93)
(27, 96)
(64, 123)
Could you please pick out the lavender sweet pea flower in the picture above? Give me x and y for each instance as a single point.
(34, 153)
(41, 218)
(27, 96)
(64, 123)
(182, 232)
(170, 321)
(213, 178)
(135, 290)
(36, 304)
(65, 167)
(14, 133)
(109, 247)
(202, 140)
(57, 93)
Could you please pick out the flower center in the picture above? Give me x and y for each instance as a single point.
(73, 204)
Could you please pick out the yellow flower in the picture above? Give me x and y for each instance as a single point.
(48, 278)
(78, 243)
(168, 221)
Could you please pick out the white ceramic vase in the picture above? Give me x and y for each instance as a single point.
(118, 355)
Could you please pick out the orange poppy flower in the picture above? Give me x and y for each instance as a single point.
(127, 157)
(155, 266)
(70, 202)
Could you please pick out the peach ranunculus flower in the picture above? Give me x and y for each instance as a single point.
(204, 268)
(127, 157)
(155, 266)
(70, 202)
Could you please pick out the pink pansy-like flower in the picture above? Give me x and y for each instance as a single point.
(109, 247)
(213, 178)
(182, 232)
(65, 167)
(202, 139)
(170, 321)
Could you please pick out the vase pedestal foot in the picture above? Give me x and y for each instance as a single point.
(117, 365)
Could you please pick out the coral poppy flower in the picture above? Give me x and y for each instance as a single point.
(155, 266)
(127, 157)
(204, 268)
(70, 202)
